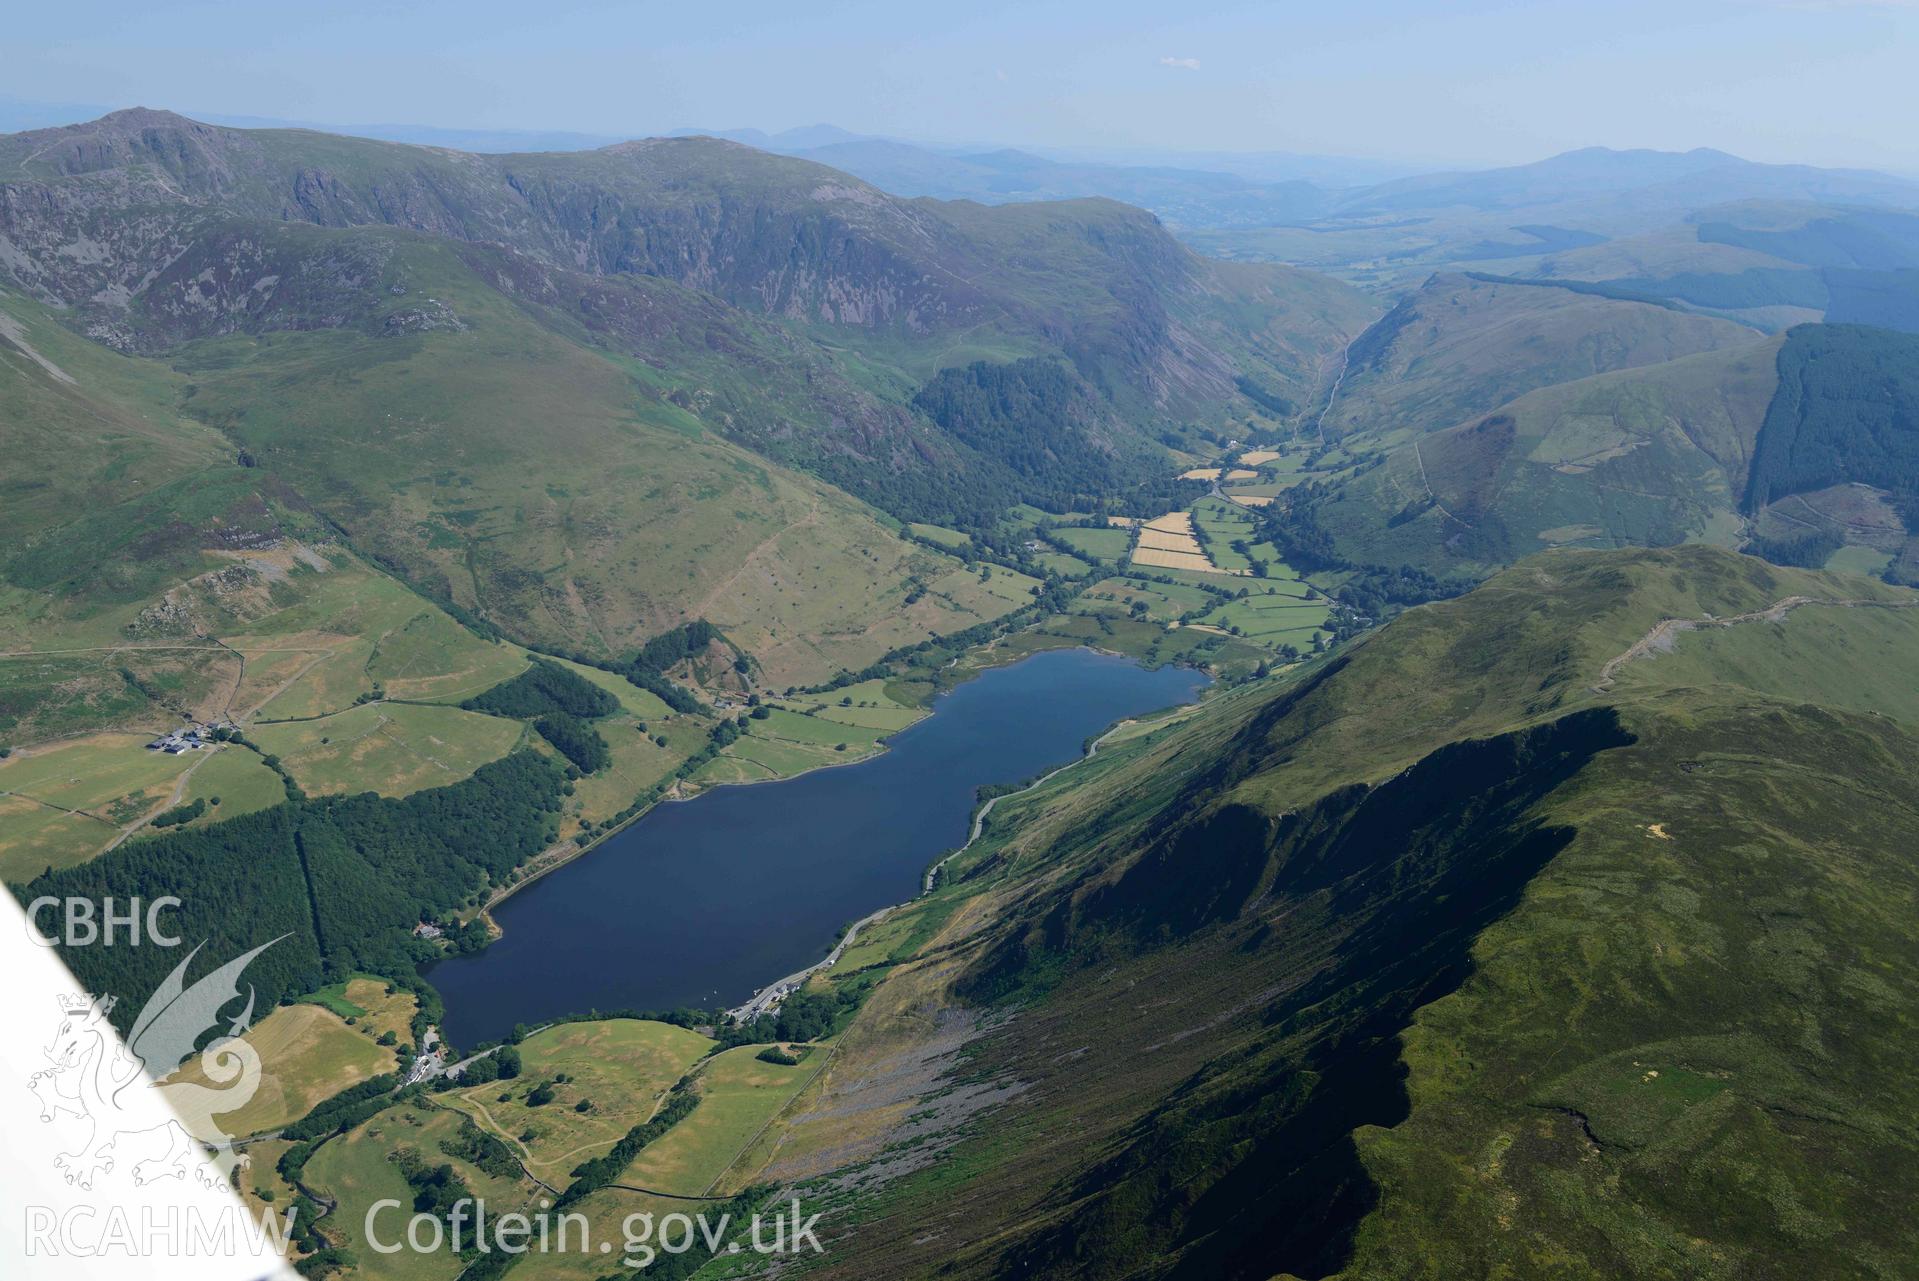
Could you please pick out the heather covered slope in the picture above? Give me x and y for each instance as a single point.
(1473, 952)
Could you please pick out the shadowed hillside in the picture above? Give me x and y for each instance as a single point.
(1471, 948)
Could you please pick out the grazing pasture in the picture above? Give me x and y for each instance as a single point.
(739, 1095)
(951, 539)
(394, 749)
(360, 1168)
(237, 780)
(307, 1055)
(622, 1068)
(64, 803)
(1100, 545)
(1063, 565)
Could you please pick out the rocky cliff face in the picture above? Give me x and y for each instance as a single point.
(782, 237)
(715, 264)
(90, 215)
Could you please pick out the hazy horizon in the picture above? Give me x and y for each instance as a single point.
(1417, 86)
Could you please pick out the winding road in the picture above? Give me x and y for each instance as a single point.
(768, 998)
(1661, 637)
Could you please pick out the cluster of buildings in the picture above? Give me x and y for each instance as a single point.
(190, 739)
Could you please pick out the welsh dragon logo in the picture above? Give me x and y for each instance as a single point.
(93, 1077)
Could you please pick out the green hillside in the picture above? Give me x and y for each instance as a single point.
(897, 289)
(1798, 448)
(1532, 937)
(1647, 457)
(581, 398)
(1461, 346)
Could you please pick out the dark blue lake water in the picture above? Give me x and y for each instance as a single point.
(702, 902)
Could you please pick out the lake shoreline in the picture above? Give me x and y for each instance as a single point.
(753, 878)
(533, 870)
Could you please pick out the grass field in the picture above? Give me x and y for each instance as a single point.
(34, 838)
(768, 759)
(948, 538)
(307, 1054)
(260, 1176)
(332, 629)
(639, 761)
(357, 1170)
(1854, 559)
(390, 748)
(64, 803)
(1063, 565)
(260, 1185)
(781, 724)
(1274, 619)
(806, 731)
(1102, 545)
(1165, 602)
(865, 704)
(1222, 524)
(238, 780)
(366, 1000)
(633, 699)
(622, 1066)
(739, 1095)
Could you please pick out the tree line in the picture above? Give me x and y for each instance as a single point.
(339, 881)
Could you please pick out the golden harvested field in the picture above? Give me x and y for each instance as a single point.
(1168, 542)
(1159, 559)
(1255, 457)
(1200, 473)
(368, 1003)
(1161, 541)
(1251, 500)
(1240, 473)
(1123, 522)
(1172, 523)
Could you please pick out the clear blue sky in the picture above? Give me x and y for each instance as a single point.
(1821, 81)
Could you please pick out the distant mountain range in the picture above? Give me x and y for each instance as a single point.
(645, 293)
(1595, 191)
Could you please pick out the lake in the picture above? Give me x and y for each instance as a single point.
(702, 902)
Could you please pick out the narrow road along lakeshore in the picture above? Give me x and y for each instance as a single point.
(768, 998)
